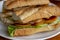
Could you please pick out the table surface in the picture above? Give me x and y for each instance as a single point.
(54, 38)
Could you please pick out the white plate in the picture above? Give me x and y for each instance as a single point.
(45, 35)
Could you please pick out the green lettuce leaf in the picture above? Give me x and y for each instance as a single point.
(11, 29)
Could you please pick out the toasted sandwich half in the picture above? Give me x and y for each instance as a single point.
(33, 20)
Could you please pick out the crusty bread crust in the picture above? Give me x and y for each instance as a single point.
(30, 31)
(21, 3)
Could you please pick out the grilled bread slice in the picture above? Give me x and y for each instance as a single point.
(21, 3)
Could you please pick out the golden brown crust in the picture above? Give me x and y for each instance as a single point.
(30, 31)
(20, 3)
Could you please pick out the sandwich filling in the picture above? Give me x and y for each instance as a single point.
(48, 22)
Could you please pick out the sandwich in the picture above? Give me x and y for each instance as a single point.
(32, 20)
(11, 4)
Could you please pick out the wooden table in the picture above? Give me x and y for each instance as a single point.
(54, 38)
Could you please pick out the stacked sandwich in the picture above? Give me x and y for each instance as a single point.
(27, 17)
